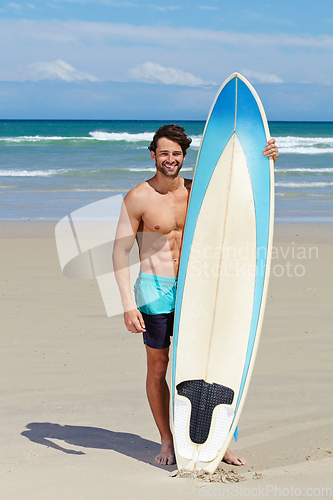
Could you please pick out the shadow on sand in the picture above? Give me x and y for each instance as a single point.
(130, 445)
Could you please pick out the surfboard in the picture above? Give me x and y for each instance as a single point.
(223, 276)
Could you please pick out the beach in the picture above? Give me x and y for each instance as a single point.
(75, 418)
(75, 421)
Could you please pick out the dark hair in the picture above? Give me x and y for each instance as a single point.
(174, 133)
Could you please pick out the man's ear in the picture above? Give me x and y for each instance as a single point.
(153, 156)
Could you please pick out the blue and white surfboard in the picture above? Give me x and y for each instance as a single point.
(223, 276)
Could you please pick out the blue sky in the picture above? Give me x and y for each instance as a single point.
(114, 59)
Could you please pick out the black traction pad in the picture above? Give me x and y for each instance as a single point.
(204, 397)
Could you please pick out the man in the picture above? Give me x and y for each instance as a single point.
(154, 214)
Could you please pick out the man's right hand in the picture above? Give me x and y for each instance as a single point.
(134, 321)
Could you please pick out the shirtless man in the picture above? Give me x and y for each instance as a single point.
(154, 214)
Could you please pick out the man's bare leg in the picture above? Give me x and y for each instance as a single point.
(159, 399)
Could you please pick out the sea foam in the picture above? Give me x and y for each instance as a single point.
(303, 184)
(121, 136)
(39, 138)
(305, 145)
(31, 173)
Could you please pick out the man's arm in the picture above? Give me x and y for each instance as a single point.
(129, 220)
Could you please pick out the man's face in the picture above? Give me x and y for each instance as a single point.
(168, 158)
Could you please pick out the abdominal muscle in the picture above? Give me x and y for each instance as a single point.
(160, 253)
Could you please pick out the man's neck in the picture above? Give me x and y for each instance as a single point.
(164, 184)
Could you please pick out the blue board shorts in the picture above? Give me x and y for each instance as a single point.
(155, 298)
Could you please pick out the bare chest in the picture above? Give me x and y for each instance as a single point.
(165, 213)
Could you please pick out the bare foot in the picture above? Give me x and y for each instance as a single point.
(167, 455)
(231, 458)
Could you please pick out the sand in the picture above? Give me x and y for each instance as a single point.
(75, 422)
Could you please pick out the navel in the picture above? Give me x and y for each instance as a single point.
(157, 228)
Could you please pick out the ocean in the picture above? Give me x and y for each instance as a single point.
(48, 168)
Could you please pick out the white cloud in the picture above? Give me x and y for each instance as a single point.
(55, 70)
(260, 77)
(109, 49)
(15, 6)
(207, 7)
(188, 36)
(166, 8)
(97, 32)
(149, 72)
(112, 3)
(71, 1)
